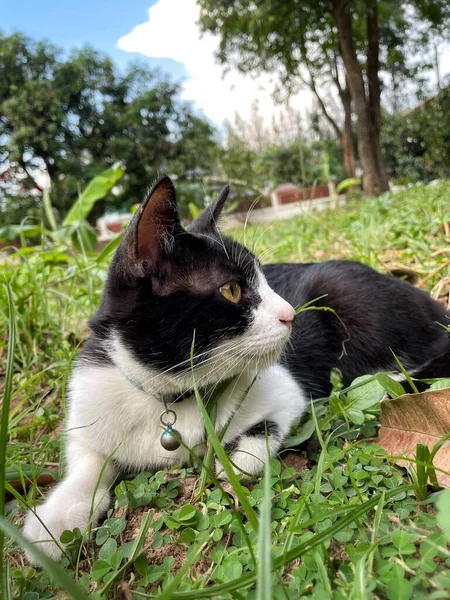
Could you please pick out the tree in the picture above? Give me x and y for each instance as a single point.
(261, 156)
(417, 141)
(72, 117)
(278, 35)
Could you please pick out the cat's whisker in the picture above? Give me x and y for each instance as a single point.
(220, 235)
(233, 361)
(145, 382)
(210, 374)
(238, 358)
(267, 252)
(260, 236)
(199, 383)
(247, 216)
(258, 227)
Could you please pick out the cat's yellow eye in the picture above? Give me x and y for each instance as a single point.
(231, 291)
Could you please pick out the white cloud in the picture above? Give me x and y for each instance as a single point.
(172, 32)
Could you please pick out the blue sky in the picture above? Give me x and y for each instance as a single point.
(70, 24)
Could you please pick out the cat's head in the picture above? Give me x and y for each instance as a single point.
(167, 285)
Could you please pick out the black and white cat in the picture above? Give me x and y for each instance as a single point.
(166, 284)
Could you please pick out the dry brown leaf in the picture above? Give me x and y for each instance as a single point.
(401, 271)
(297, 460)
(417, 419)
(43, 480)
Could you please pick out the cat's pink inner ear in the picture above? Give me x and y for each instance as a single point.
(157, 222)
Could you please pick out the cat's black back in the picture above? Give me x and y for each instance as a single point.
(372, 316)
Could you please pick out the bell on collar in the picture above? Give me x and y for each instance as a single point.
(170, 439)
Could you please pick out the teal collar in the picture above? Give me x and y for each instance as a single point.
(168, 399)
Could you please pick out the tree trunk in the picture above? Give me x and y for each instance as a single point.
(374, 88)
(373, 181)
(347, 137)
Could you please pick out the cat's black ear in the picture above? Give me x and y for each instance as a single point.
(207, 220)
(152, 231)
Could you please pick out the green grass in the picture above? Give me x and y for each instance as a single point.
(348, 525)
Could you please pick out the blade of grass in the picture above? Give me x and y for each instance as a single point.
(405, 373)
(438, 445)
(5, 417)
(46, 200)
(108, 249)
(221, 454)
(209, 455)
(299, 309)
(421, 475)
(375, 528)
(7, 591)
(55, 570)
(359, 591)
(264, 565)
(321, 568)
(92, 508)
(208, 460)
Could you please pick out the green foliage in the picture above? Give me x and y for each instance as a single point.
(264, 543)
(392, 387)
(416, 144)
(95, 190)
(4, 420)
(295, 161)
(76, 116)
(8, 233)
(301, 162)
(59, 577)
(346, 184)
(75, 229)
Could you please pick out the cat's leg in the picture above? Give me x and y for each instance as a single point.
(259, 427)
(71, 503)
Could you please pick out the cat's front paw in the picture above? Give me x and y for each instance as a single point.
(60, 512)
(246, 469)
(45, 541)
(45, 525)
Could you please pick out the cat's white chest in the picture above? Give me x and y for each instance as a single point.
(120, 420)
(115, 418)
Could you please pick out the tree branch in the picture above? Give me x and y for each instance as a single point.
(312, 86)
(336, 78)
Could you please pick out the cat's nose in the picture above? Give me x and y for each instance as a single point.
(286, 314)
(278, 306)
